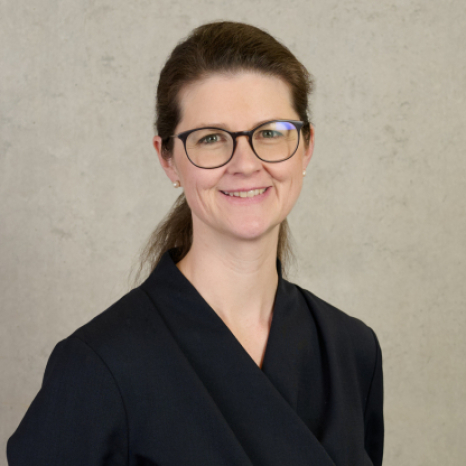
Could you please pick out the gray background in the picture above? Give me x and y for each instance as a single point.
(379, 229)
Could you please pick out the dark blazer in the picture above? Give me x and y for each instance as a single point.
(158, 379)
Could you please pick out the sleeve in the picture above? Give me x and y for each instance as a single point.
(373, 415)
(77, 418)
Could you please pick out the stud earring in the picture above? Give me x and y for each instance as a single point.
(304, 172)
(176, 184)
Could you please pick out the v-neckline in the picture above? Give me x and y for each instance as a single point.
(190, 317)
(258, 403)
(168, 261)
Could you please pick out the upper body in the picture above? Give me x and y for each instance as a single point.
(225, 362)
(159, 379)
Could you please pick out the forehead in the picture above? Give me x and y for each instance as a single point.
(235, 101)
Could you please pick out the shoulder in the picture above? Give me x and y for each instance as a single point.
(77, 413)
(348, 340)
(337, 321)
(119, 332)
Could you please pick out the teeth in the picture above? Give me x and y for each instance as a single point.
(251, 193)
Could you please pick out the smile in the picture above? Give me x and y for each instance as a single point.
(250, 193)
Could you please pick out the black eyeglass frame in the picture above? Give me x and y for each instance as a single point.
(184, 136)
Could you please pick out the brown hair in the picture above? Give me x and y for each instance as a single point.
(219, 47)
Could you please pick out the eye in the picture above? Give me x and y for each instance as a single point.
(210, 139)
(268, 134)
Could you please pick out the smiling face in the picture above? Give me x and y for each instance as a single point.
(237, 102)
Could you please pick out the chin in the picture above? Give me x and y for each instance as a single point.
(253, 230)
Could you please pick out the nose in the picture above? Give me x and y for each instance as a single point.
(244, 159)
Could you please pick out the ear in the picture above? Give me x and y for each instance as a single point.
(168, 165)
(310, 149)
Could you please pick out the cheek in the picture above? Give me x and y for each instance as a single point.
(200, 191)
(291, 181)
(290, 175)
(295, 189)
(194, 179)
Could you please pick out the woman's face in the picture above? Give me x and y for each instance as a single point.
(237, 102)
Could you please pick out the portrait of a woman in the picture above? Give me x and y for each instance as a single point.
(216, 359)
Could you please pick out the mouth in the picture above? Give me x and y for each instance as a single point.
(246, 193)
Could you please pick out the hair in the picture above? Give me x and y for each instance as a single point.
(222, 47)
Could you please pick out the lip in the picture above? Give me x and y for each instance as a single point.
(243, 190)
(246, 200)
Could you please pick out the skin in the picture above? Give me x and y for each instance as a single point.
(232, 260)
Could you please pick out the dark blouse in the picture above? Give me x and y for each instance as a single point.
(158, 379)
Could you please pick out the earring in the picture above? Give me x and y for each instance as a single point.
(304, 172)
(176, 184)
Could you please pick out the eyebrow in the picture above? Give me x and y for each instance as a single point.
(225, 126)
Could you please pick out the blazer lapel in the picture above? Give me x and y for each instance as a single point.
(261, 411)
(343, 430)
(287, 342)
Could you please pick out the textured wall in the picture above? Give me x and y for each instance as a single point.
(380, 228)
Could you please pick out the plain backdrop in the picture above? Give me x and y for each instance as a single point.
(380, 228)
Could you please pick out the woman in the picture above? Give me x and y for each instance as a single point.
(216, 359)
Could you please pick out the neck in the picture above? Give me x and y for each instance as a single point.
(237, 278)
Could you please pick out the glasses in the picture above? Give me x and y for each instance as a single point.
(273, 141)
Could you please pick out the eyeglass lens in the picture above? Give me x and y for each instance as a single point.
(272, 142)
